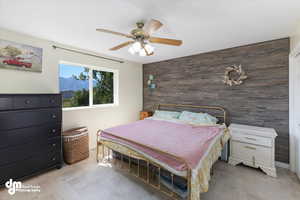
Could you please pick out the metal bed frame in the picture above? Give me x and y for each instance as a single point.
(140, 157)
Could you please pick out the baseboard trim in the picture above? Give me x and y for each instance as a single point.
(282, 165)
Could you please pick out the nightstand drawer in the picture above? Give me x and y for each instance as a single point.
(252, 139)
(251, 153)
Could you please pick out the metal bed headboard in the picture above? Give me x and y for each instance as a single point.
(222, 116)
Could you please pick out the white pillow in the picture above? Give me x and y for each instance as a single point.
(198, 118)
(163, 114)
(212, 118)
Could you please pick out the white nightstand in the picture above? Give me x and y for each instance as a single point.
(253, 146)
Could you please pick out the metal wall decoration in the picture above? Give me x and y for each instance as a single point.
(150, 83)
(234, 75)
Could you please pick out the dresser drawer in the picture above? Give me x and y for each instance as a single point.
(15, 137)
(6, 103)
(22, 119)
(51, 101)
(54, 145)
(26, 102)
(251, 139)
(19, 102)
(252, 153)
(25, 151)
(35, 163)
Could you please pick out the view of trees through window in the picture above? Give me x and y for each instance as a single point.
(103, 87)
(74, 86)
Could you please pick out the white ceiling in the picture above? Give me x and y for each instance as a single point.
(203, 25)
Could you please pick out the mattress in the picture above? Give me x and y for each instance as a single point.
(158, 140)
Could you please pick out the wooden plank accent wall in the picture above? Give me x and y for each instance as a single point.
(263, 100)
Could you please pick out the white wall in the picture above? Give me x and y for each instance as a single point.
(130, 85)
(295, 103)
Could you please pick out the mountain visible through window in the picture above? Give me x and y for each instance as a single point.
(73, 87)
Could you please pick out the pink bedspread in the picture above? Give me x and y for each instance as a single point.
(185, 141)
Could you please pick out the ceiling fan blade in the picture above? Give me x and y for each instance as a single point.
(152, 26)
(121, 45)
(165, 41)
(114, 32)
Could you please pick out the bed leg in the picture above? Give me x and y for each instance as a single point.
(159, 178)
(109, 155)
(97, 146)
(102, 153)
(172, 178)
(148, 174)
(138, 170)
(122, 161)
(129, 163)
(97, 153)
(212, 171)
(189, 184)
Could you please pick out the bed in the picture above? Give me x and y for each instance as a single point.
(173, 157)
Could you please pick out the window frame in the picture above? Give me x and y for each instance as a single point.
(96, 68)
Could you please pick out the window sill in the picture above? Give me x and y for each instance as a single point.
(90, 107)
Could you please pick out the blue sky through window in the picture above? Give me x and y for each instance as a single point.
(67, 82)
(67, 71)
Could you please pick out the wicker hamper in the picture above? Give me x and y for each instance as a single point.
(76, 145)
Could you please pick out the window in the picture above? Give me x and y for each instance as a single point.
(103, 87)
(79, 90)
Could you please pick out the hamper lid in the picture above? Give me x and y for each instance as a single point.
(75, 131)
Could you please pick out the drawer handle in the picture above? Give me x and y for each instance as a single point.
(249, 147)
(53, 116)
(27, 101)
(248, 138)
(53, 159)
(253, 160)
(53, 130)
(54, 145)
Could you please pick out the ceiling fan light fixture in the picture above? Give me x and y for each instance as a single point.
(131, 50)
(136, 46)
(142, 52)
(149, 48)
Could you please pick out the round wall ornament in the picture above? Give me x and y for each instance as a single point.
(234, 75)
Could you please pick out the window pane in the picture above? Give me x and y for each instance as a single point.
(74, 85)
(103, 87)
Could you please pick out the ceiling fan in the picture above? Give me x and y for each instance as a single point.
(141, 37)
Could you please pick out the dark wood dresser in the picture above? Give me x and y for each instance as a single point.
(30, 134)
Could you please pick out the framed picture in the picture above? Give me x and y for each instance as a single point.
(20, 56)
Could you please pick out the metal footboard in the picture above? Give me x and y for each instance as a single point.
(149, 173)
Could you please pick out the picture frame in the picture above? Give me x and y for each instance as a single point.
(17, 56)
